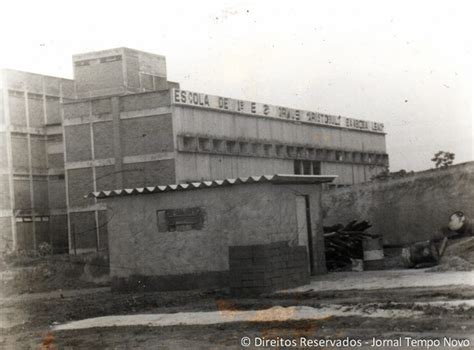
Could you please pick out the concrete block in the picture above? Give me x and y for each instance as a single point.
(20, 151)
(144, 101)
(248, 283)
(259, 250)
(235, 284)
(59, 234)
(76, 110)
(80, 183)
(34, 83)
(17, 108)
(247, 276)
(238, 252)
(105, 178)
(103, 140)
(4, 192)
(146, 135)
(35, 110)
(22, 194)
(83, 229)
(38, 152)
(68, 88)
(78, 143)
(53, 111)
(25, 236)
(101, 106)
(277, 280)
(6, 238)
(51, 86)
(99, 79)
(160, 172)
(259, 283)
(259, 261)
(57, 193)
(40, 190)
(3, 146)
(278, 265)
(43, 234)
(56, 161)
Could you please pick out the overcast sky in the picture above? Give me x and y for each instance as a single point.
(407, 64)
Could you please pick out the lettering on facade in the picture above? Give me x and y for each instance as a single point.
(195, 99)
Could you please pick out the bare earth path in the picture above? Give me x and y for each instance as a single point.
(384, 305)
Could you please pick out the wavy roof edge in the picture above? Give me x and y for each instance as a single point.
(275, 179)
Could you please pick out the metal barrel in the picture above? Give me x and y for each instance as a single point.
(373, 253)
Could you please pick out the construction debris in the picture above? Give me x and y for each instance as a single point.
(421, 254)
(452, 263)
(344, 244)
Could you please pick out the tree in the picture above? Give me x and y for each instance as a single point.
(443, 159)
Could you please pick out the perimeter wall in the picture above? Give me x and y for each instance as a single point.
(408, 209)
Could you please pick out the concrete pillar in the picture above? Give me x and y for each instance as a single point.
(6, 110)
(30, 170)
(115, 101)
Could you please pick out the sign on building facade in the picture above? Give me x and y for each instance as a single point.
(200, 100)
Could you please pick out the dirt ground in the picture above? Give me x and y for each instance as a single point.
(25, 275)
(27, 320)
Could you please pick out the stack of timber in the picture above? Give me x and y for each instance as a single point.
(344, 244)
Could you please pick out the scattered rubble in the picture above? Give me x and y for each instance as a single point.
(458, 256)
(452, 263)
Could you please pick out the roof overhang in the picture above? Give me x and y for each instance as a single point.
(278, 179)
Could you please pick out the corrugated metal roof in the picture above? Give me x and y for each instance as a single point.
(276, 179)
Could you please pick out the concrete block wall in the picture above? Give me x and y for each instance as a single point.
(113, 142)
(118, 71)
(32, 159)
(32, 135)
(128, 145)
(257, 214)
(264, 268)
(58, 230)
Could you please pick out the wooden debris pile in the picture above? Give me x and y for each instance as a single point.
(344, 243)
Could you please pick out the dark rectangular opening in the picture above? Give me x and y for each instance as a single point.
(279, 150)
(185, 219)
(189, 143)
(267, 149)
(316, 168)
(217, 145)
(204, 144)
(244, 148)
(310, 238)
(231, 146)
(297, 167)
(307, 167)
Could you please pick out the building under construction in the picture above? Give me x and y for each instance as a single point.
(121, 124)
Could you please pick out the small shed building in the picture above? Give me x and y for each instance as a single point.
(179, 236)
